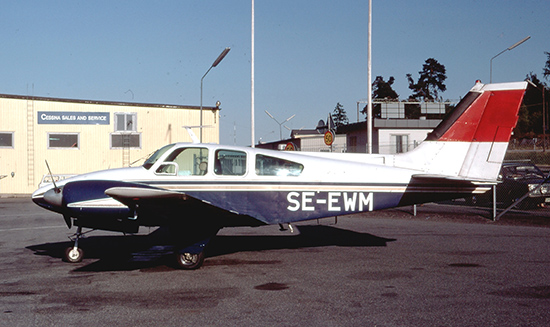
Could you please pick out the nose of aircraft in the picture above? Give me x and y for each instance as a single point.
(54, 197)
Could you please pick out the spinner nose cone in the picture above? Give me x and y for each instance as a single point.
(54, 197)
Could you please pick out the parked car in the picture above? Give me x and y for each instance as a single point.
(514, 181)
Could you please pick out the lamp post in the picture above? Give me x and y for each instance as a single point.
(252, 126)
(216, 62)
(507, 49)
(280, 124)
(369, 82)
(543, 114)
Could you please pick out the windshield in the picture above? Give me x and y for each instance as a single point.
(152, 159)
(523, 171)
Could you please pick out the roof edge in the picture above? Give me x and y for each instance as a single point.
(111, 103)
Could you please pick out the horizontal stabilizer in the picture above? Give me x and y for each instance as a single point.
(448, 179)
(427, 188)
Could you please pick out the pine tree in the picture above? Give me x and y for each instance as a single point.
(339, 116)
(546, 69)
(432, 78)
(383, 90)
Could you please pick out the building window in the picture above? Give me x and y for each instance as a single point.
(352, 144)
(126, 140)
(125, 122)
(63, 140)
(125, 135)
(399, 143)
(6, 139)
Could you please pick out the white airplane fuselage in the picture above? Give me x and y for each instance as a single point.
(208, 184)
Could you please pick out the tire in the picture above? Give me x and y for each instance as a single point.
(189, 261)
(73, 255)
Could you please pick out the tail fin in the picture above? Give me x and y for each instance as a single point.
(472, 141)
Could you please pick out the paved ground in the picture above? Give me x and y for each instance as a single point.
(448, 266)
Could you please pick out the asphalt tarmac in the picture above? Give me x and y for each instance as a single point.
(448, 266)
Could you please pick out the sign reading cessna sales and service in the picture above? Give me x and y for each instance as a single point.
(73, 118)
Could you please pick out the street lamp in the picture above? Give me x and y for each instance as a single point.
(280, 124)
(507, 49)
(543, 114)
(216, 62)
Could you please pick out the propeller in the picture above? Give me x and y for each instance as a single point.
(57, 190)
(57, 197)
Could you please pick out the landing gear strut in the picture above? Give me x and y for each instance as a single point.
(74, 254)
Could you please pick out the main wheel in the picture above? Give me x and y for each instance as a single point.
(73, 254)
(189, 261)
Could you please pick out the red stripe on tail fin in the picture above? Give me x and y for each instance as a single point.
(487, 114)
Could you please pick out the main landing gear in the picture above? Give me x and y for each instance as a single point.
(191, 257)
(74, 254)
(189, 261)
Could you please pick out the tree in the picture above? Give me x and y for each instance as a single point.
(383, 90)
(546, 69)
(339, 116)
(430, 81)
(531, 112)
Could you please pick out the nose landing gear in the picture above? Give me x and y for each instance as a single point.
(74, 254)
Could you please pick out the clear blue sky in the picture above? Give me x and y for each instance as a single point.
(309, 54)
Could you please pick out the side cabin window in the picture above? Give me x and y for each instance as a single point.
(185, 162)
(229, 162)
(271, 166)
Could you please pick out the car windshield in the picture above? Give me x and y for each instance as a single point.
(152, 159)
(523, 171)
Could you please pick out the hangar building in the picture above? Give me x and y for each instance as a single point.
(78, 136)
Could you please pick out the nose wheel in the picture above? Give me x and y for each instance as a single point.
(74, 254)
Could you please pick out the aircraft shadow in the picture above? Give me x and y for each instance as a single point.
(151, 252)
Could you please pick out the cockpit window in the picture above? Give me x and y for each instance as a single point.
(185, 162)
(152, 159)
(229, 162)
(271, 166)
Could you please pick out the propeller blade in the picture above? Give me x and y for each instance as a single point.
(51, 176)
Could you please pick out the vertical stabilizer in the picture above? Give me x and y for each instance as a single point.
(470, 143)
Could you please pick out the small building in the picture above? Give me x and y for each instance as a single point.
(390, 136)
(397, 127)
(78, 136)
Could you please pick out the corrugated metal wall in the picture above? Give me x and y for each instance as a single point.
(157, 125)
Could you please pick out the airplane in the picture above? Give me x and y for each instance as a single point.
(196, 189)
